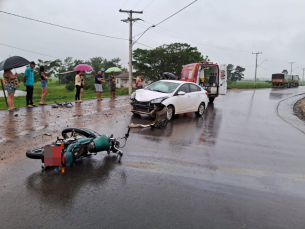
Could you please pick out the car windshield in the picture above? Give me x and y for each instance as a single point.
(163, 86)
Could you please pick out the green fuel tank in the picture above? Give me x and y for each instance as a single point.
(101, 143)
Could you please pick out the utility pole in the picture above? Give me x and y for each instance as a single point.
(291, 63)
(303, 75)
(256, 53)
(131, 20)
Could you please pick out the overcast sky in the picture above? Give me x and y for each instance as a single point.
(273, 27)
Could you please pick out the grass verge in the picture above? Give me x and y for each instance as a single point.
(57, 93)
(250, 85)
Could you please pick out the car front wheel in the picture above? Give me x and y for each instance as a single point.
(170, 112)
(201, 109)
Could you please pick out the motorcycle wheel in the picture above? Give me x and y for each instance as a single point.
(35, 153)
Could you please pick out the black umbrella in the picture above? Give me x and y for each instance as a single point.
(13, 62)
(170, 75)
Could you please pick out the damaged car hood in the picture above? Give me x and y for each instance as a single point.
(143, 95)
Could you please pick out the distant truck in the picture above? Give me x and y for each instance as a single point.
(285, 80)
(214, 82)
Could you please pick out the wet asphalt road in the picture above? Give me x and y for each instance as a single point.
(239, 166)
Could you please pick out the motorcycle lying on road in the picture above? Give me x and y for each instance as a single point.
(76, 144)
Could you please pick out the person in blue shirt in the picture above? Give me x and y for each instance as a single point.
(29, 83)
(98, 85)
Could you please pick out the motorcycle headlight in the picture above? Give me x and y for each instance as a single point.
(133, 96)
(158, 100)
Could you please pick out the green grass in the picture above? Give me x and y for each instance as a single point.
(250, 84)
(56, 93)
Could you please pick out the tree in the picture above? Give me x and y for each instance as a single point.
(235, 74)
(230, 69)
(99, 62)
(96, 63)
(285, 71)
(166, 58)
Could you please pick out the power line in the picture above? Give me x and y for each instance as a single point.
(64, 27)
(30, 51)
(125, 3)
(191, 39)
(148, 5)
(178, 35)
(166, 19)
(176, 12)
(266, 69)
(136, 4)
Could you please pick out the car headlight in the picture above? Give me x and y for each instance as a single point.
(133, 96)
(158, 100)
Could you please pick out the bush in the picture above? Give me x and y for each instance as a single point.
(229, 82)
(49, 80)
(89, 84)
(70, 86)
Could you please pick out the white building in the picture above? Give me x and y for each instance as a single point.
(122, 81)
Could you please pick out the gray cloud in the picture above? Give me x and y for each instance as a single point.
(275, 27)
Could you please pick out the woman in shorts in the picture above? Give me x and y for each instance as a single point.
(11, 85)
(44, 84)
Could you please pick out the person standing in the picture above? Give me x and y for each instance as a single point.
(82, 83)
(44, 83)
(112, 85)
(29, 83)
(78, 86)
(11, 84)
(98, 85)
(139, 82)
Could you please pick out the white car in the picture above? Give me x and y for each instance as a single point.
(177, 96)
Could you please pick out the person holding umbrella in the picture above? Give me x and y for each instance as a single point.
(11, 81)
(11, 85)
(78, 84)
(112, 82)
(78, 79)
(29, 83)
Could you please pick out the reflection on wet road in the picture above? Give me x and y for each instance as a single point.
(238, 166)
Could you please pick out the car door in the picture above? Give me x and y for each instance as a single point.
(181, 102)
(194, 97)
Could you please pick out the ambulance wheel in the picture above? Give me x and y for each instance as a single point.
(211, 100)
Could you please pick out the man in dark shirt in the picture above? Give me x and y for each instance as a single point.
(98, 85)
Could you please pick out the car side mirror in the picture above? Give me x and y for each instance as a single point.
(181, 93)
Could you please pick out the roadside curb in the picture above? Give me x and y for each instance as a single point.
(286, 112)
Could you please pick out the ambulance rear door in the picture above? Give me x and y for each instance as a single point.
(223, 79)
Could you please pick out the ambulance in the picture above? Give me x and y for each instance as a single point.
(209, 75)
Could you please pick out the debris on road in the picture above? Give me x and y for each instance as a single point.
(160, 121)
(48, 134)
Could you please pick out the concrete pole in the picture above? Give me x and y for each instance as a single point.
(131, 20)
(130, 55)
(256, 67)
(291, 63)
